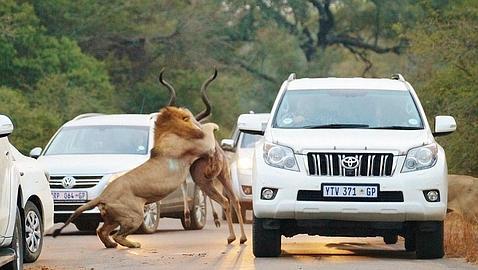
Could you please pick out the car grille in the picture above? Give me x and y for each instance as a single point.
(383, 196)
(80, 181)
(369, 164)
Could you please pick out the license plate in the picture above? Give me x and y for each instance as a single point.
(350, 191)
(69, 195)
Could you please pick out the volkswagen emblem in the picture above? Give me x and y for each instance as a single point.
(68, 182)
(350, 163)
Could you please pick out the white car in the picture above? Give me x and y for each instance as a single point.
(91, 150)
(349, 157)
(241, 146)
(26, 211)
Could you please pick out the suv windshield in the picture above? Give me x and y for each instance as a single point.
(377, 109)
(100, 140)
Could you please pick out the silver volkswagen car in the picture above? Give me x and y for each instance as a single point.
(92, 150)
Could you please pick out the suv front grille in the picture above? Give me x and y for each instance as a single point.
(369, 164)
(80, 181)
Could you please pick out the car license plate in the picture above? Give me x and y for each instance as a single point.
(350, 191)
(69, 195)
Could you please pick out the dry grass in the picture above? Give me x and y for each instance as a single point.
(461, 238)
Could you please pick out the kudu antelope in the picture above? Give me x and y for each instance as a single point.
(178, 141)
(206, 171)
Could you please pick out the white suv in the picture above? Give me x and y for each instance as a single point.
(349, 157)
(26, 206)
(92, 150)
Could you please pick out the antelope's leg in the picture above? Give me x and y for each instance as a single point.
(214, 214)
(187, 214)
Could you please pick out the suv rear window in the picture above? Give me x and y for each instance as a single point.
(350, 108)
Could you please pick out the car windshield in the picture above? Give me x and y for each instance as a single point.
(100, 140)
(374, 109)
(249, 140)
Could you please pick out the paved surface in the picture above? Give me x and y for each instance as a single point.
(173, 248)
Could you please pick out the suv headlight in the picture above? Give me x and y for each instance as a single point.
(420, 158)
(280, 156)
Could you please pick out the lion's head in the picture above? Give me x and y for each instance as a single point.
(179, 121)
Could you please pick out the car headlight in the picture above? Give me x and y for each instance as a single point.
(420, 158)
(280, 156)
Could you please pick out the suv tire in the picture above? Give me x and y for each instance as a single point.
(33, 236)
(265, 242)
(16, 245)
(429, 242)
(410, 242)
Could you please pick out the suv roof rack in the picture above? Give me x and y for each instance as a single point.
(291, 77)
(398, 76)
(86, 115)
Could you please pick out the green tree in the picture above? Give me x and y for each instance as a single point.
(444, 48)
(45, 80)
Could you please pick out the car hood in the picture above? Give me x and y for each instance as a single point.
(90, 164)
(305, 140)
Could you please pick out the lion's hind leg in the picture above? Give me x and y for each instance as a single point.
(129, 221)
(104, 234)
(108, 226)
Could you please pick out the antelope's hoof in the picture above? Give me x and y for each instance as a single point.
(135, 245)
(230, 239)
(187, 222)
(217, 223)
(111, 245)
(243, 240)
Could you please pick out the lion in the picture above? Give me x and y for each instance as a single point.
(462, 194)
(178, 141)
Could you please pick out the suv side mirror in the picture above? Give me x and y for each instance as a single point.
(253, 123)
(6, 126)
(227, 144)
(444, 125)
(35, 152)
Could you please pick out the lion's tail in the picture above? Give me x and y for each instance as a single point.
(87, 206)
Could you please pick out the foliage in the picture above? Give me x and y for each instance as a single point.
(45, 80)
(60, 58)
(444, 48)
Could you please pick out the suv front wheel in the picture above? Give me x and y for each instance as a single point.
(429, 240)
(265, 242)
(33, 241)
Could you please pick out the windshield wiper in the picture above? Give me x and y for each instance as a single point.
(337, 126)
(397, 127)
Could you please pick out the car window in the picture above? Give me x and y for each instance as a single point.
(100, 140)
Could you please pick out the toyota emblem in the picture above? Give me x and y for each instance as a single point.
(350, 163)
(68, 182)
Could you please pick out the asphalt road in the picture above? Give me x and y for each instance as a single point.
(173, 248)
